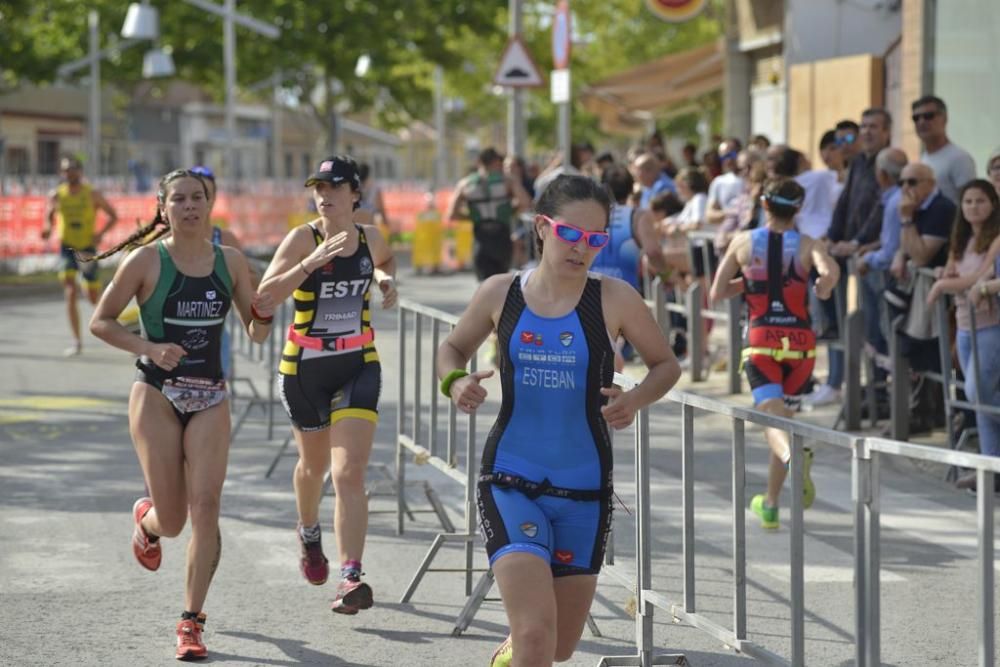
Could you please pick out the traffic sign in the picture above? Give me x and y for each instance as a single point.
(517, 69)
(561, 36)
(559, 88)
(675, 11)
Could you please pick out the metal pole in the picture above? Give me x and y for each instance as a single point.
(94, 161)
(515, 104)
(229, 62)
(565, 140)
(687, 482)
(739, 483)
(985, 506)
(277, 163)
(440, 157)
(797, 554)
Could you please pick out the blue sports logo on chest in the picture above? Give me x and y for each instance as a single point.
(548, 357)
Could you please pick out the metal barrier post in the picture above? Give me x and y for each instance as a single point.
(985, 502)
(797, 552)
(695, 330)
(435, 398)
(873, 565)
(899, 392)
(853, 335)
(735, 309)
(471, 479)
(861, 485)
(418, 358)
(739, 478)
(660, 312)
(401, 421)
(687, 475)
(944, 352)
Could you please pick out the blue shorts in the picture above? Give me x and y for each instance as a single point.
(68, 266)
(570, 535)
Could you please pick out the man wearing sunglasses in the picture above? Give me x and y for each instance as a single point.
(953, 166)
(846, 133)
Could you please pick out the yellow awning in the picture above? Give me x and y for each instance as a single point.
(621, 100)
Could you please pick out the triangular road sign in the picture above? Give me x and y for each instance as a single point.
(516, 66)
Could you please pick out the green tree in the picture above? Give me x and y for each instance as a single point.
(316, 51)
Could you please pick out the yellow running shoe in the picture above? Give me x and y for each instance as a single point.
(808, 488)
(503, 655)
(768, 515)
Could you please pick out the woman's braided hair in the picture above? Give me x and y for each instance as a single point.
(149, 233)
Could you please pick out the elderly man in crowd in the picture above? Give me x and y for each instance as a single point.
(953, 166)
(874, 261)
(926, 217)
(651, 177)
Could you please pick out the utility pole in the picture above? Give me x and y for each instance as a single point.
(94, 124)
(515, 104)
(441, 155)
(229, 63)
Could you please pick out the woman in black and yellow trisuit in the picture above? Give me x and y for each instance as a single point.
(178, 406)
(330, 374)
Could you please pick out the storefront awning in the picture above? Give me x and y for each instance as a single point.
(625, 99)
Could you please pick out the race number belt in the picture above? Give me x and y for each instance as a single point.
(337, 344)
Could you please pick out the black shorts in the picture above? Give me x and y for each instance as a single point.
(68, 265)
(324, 391)
(493, 250)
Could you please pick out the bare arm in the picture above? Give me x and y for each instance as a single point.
(295, 259)
(724, 286)
(521, 197)
(625, 311)
(457, 202)
(227, 238)
(714, 214)
(826, 267)
(649, 240)
(103, 204)
(385, 266)
(921, 249)
(51, 204)
(472, 329)
(244, 296)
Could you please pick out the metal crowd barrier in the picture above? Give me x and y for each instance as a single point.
(947, 377)
(692, 306)
(866, 457)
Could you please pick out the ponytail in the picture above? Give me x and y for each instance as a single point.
(136, 240)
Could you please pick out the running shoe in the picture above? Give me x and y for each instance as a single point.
(353, 595)
(189, 643)
(313, 564)
(808, 488)
(503, 655)
(147, 553)
(768, 515)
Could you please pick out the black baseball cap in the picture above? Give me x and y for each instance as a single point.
(336, 169)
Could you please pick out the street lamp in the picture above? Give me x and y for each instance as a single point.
(164, 66)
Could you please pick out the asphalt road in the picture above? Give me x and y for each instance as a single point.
(72, 594)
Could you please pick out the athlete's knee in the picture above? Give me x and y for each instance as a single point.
(349, 474)
(312, 468)
(170, 522)
(534, 641)
(205, 509)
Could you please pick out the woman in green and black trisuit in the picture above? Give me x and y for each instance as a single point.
(178, 406)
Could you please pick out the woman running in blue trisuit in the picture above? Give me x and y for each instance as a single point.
(545, 484)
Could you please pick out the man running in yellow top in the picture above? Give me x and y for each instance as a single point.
(72, 208)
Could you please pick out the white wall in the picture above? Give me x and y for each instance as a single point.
(820, 29)
(965, 74)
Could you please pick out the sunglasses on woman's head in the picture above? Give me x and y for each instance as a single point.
(572, 235)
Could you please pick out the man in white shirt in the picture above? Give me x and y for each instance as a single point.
(953, 166)
(725, 189)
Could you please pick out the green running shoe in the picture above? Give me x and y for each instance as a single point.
(503, 655)
(808, 488)
(768, 515)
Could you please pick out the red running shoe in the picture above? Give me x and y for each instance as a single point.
(189, 643)
(352, 596)
(313, 564)
(147, 553)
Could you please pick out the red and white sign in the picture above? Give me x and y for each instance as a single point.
(562, 36)
(675, 11)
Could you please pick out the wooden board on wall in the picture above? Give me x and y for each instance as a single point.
(824, 92)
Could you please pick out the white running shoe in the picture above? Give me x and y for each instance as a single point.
(822, 395)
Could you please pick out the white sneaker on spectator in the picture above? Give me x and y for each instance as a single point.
(822, 395)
